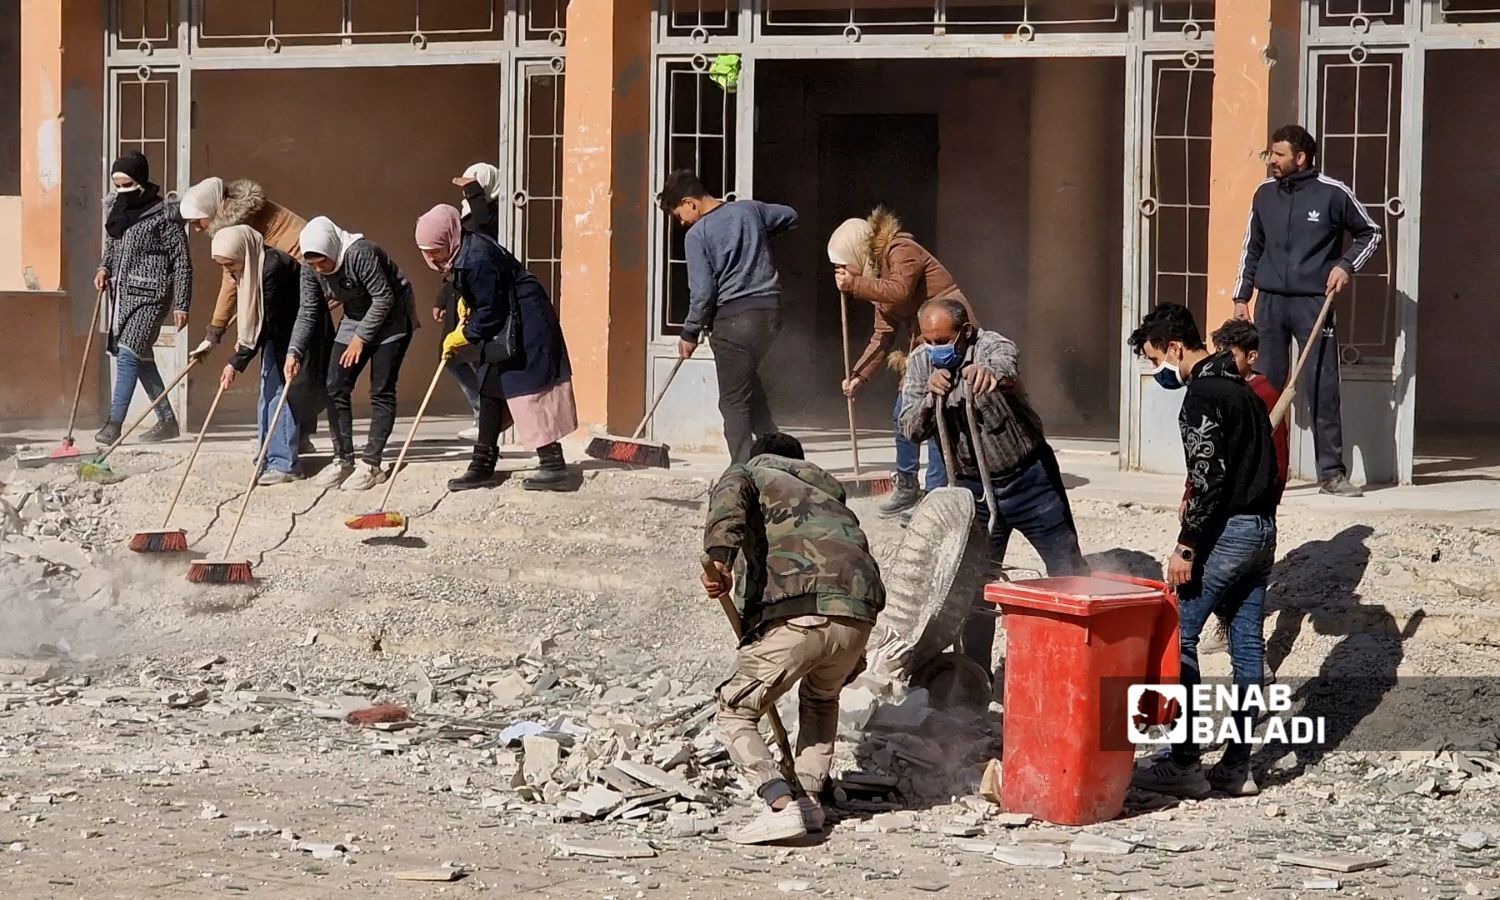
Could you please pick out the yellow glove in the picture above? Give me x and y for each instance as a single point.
(463, 311)
(453, 341)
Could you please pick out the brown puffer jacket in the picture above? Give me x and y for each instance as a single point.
(245, 203)
(903, 277)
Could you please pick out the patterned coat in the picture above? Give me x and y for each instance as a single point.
(802, 548)
(150, 272)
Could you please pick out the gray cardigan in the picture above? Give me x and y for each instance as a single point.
(377, 299)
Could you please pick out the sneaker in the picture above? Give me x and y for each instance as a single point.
(334, 474)
(772, 825)
(1234, 779)
(1340, 486)
(905, 496)
(364, 477)
(1168, 777)
(812, 813)
(163, 430)
(469, 435)
(108, 434)
(272, 477)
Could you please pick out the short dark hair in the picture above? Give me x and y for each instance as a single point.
(683, 184)
(1239, 334)
(1299, 139)
(777, 444)
(956, 310)
(1168, 322)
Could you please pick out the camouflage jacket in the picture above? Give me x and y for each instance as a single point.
(802, 550)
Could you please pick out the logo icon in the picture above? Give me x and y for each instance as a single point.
(1313, 215)
(1154, 713)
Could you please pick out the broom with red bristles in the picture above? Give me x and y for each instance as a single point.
(633, 450)
(237, 571)
(174, 540)
(67, 450)
(388, 518)
(861, 485)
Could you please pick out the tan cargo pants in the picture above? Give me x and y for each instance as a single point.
(823, 653)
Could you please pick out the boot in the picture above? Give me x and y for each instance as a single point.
(904, 497)
(553, 474)
(481, 470)
(163, 430)
(108, 434)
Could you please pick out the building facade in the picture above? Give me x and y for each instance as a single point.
(1073, 162)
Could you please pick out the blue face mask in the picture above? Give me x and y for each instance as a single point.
(943, 356)
(1166, 376)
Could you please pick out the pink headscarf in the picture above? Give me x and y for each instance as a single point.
(440, 229)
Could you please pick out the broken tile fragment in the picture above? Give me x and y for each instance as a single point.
(1030, 856)
(605, 849)
(1331, 862)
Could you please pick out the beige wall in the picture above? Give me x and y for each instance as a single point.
(10, 245)
(322, 142)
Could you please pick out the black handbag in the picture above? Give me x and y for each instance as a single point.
(504, 347)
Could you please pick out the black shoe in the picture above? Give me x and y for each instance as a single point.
(1340, 486)
(481, 471)
(108, 434)
(904, 497)
(305, 446)
(553, 474)
(163, 430)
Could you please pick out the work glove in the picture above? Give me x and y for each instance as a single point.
(463, 311)
(201, 351)
(453, 341)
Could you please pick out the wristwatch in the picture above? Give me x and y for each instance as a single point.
(1185, 554)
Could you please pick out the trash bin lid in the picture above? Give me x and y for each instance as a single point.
(1074, 595)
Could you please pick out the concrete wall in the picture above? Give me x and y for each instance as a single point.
(1460, 192)
(985, 179)
(321, 143)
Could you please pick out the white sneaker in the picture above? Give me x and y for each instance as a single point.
(470, 434)
(772, 825)
(365, 476)
(272, 477)
(812, 812)
(333, 474)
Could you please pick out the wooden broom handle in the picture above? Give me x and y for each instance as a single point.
(849, 400)
(942, 429)
(660, 395)
(192, 457)
(406, 445)
(1289, 392)
(83, 365)
(260, 457)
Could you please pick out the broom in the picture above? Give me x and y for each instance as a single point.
(97, 469)
(783, 743)
(1288, 393)
(383, 518)
(66, 450)
(237, 571)
(873, 485)
(174, 540)
(633, 450)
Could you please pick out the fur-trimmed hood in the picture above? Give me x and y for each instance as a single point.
(884, 227)
(243, 201)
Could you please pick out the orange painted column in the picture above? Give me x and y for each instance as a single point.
(42, 142)
(606, 183)
(1257, 54)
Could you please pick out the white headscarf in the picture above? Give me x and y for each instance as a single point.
(488, 177)
(324, 238)
(850, 244)
(202, 200)
(244, 244)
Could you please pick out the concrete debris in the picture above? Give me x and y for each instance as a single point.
(1098, 844)
(666, 781)
(605, 849)
(1473, 840)
(1331, 862)
(541, 757)
(793, 887)
(439, 873)
(253, 829)
(985, 848)
(1320, 884)
(687, 825)
(1033, 857)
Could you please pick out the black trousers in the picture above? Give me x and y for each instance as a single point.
(740, 342)
(384, 361)
(1282, 319)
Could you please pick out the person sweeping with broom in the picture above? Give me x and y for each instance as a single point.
(510, 335)
(809, 593)
(145, 270)
(874, 260)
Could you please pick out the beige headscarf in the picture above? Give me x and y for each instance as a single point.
(244, 244)
(202, 200)
(324, 238)
(488, 177)
(850, 244)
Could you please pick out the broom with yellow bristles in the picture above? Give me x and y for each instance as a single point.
(174, 540)
(237, 571)
(388, 518)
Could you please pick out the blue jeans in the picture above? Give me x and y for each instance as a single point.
(909, 455)
(130, 370)
(1033, 501)
(281, 455)
(468, 381)
(1231, 581)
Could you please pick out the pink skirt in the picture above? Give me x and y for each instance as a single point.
(545, 417)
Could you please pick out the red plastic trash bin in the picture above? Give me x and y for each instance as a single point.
(1072, 646)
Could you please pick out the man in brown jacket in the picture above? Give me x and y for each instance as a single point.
(875, 261)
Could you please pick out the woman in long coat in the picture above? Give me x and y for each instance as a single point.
(480, 214)
(532, 388)
(146, 271)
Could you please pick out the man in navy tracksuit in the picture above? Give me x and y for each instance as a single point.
(1293, 257)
